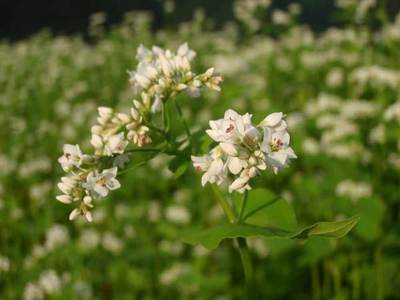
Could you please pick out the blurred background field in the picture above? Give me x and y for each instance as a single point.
(334, 70)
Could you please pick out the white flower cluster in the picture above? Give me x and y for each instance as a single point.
(162, 73)
(114, 131)
(159, 75)
(244, 149)
(84, 182)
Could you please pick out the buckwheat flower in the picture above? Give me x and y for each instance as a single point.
(277, 150)
(105, 114)
(68, 186)
(115, 144)
(71, 158)
(201, 163)
(66, 199)
(240, 184)
(274, 121)
(99, 184)
(163, 73)
(233, 128)
(215, 173)
(74, 213)
(244, 150)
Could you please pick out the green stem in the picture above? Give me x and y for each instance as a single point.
(166, 118)
(224, 204)
(356, 278)
(379, 273)
(143, 150)
(242, 244)
(246, 259)
(185, 125)
(315, 282)
(243, 205)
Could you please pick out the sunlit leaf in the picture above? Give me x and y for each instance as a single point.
(335, 229)
(211, 237)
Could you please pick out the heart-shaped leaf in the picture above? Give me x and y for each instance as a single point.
(266, 215)
(211, 237)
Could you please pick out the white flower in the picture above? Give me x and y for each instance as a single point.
(276, 147)
(242, 151)
(74, 213)
(163, 73)
(67, 184)
(97, 141)
(115, 144)
(234, 129)
(274, 121)
(66, 199)
(215, 173)
(99, 184)
(201, 163)
(71, 158)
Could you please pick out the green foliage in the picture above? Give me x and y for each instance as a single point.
(267, 216)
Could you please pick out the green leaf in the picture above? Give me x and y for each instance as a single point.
(263, 208)
(178, 165)
(266, 215)
(211, 237)
(335, 229)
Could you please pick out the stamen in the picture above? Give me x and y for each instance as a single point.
(230, 128)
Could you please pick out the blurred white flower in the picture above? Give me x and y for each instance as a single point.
(112, 243)
(177, 214)
(89, 239)
(392, 112)
(354, 190)
(50, 282)
(33, 291)
(169, 275)
(4, 264)
(56, 236)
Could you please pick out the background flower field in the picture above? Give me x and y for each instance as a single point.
(340, 89)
